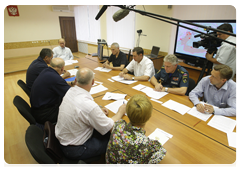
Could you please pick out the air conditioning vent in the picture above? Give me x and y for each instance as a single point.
(61, 8)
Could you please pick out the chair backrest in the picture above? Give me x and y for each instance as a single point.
(24, 109)
(191, 86)
(23, 85)
(34, 142)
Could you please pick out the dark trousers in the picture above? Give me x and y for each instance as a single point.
(94, 146)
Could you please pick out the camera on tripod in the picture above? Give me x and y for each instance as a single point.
(208, 41)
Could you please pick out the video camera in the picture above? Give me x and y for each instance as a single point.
(208, 42)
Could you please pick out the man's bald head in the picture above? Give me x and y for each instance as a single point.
(57, 63)
(61, 42)
(84, 76)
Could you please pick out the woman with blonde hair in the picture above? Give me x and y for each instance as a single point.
(128, 143)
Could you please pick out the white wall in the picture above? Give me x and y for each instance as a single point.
(200, 12)
(36, 22)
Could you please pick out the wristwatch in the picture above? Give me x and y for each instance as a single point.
(132, 78)
(166, 89)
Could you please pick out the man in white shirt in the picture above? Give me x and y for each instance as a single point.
(141, 66)
(62, 52)
(226, 54)
(83, 127)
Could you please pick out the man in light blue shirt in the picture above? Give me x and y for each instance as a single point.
(217, 90)
(62, 52)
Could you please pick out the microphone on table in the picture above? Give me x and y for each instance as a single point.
(103, 9)
(120, 14)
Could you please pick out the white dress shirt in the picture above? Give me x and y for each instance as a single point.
(144, 68)
(78, 116)
(226, 54)
(64, 53)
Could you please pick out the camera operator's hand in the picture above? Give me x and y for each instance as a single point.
(209, 56)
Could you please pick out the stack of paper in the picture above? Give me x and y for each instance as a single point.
(97, 89)
(73, 72)
(69, 62)
(222, 123)
(180, 108)
(103, 69)
(114, 106)
(160, 135)
(152, 93)
(114, 96)
(199, 115)
(122, 80)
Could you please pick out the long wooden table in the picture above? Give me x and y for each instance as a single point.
(193, 142)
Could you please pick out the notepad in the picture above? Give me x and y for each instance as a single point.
(160, 135)
(222, 123)
(203, 116)
(114, 106)
(152, 93)
(122, 80)
(98, 89)
(178, 107)
(113, 96)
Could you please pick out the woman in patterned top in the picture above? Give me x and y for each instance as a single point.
(128, 143)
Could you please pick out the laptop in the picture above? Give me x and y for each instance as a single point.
(154, 52)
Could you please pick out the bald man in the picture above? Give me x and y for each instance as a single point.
(62, 52)
(83, 128)
(47, 92)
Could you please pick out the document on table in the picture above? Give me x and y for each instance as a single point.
(122, 80)
(114, 96)
(114, 106)
(222, 123)
(73, 72)
(152, 93)
(178, 107)
(97, 89)
(103, 69)
(160, 135)
(69, 62)
(232, 139)
(139, 87)
(199, 115)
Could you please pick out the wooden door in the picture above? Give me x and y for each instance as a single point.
(68, 32)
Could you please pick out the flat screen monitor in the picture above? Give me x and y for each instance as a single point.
(184, 49)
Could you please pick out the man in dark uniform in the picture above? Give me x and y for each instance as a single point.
(118, 58)
(171, 78)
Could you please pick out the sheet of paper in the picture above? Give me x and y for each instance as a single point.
(103, 69)
(199, 115)
(69, 62)
(111, 80)
(152, 93)
(232, 139)
(114, 106)
(178, 107)
(160, 135)
(122, 80)
(73, 71)
(222, 123)
(97, 89)
(139, 87)
(113, 96)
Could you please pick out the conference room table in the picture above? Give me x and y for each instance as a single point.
(193, 141)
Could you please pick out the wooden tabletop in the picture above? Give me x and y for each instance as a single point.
(193, 141)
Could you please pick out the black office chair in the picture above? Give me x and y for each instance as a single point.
(34, 142)
(23, 85)
(129, 55)
(25, 110)
(191, 86)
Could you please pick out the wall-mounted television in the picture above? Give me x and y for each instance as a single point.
(184, 49)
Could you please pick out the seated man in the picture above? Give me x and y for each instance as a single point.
(40, 64)
(171, 77)
(47, 92)
(118, 58)
(62, 52)
(128, 143)
(82, 127)
(217, 90)
(141, 66)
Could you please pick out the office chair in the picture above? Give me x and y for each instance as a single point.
(129, 55)
(34, 142)
(52, 145)
(23, 85)
(25, 110)
(191, 86)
